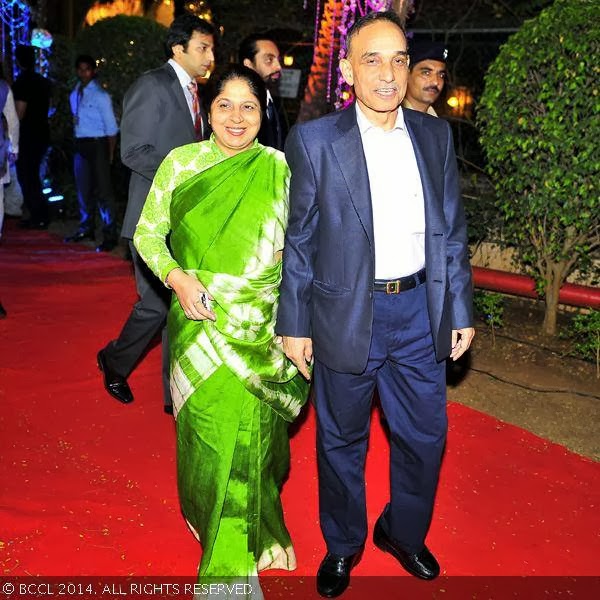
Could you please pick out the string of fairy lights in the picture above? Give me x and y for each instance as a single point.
(15, 16)
(351, 11)
(161, 10)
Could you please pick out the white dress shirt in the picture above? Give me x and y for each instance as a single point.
(184, 80)
(396, 196)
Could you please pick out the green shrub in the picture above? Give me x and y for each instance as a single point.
(126, 47)
(584, 330)
(539, 124)
(490, 308)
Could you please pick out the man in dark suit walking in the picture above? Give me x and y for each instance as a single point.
(261, 54)
(161, 111)
(377, 285)
(32, 93)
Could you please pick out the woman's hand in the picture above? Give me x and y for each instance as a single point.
(193, 297)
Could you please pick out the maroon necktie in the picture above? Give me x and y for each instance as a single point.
(193, 87)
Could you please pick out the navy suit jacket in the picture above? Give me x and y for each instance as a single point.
(328, 258)
(156, 119)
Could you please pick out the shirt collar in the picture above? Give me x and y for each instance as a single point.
(430, 109)
(91, 85)
(364, 124)
(182, 74)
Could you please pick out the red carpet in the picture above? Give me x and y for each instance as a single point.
(87, 485)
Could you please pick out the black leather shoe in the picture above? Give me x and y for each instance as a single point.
(79, 236)
(422, 565)
(333, 575)
(106, 246)
(116, 385)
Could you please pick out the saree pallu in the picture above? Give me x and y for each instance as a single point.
(234, 391)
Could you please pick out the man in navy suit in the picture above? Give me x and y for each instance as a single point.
(161, 111)
(377, 286)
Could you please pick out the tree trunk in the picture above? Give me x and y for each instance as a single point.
(551, 296)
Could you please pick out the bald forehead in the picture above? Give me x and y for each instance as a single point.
(267, 47)
(369, 37)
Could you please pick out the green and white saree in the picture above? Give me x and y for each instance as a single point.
(234, 391)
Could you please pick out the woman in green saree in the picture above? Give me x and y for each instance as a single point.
(222, 204)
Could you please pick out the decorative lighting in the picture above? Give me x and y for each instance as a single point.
(99, 11)
(288, 60)
(41, 38)
(14, 19)
(332, 23)
(333, 19)
(162, 10)
(460, 100)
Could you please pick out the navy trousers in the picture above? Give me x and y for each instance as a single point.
(94, 188)
(31, 154)
(412, 390)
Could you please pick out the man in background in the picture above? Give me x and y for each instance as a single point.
(260, 53)
(32, 94)
(426, 77)
(95, 130)
(161, 111)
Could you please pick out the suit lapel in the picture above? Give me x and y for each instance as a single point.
(206, 128)
(179, 100)
(424, 144)
(350, 156)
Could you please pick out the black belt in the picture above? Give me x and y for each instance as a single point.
(395, 286)
(90, 139)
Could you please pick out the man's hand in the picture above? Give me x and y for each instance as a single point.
(461, 340)
(300, 352)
